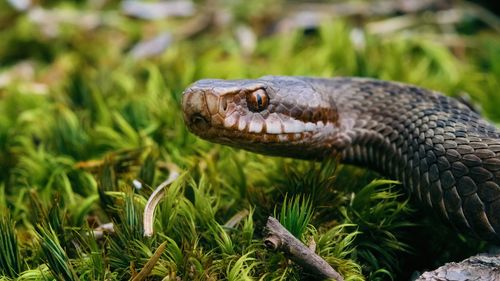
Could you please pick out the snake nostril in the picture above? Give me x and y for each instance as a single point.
(223, 104)
(199, 120)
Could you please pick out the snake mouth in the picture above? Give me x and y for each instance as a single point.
(301, 145)
(230, 136)
(274, 130)
(250, 128)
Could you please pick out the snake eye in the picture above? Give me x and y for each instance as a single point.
(257, 100)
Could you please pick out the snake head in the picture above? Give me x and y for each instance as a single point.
(271, 115)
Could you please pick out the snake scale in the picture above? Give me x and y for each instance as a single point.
(443, 152)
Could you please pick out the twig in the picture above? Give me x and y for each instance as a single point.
(441, 18)
(154, 199)
(373, 8)
(278, 238)
(311, 15)
(234, 220)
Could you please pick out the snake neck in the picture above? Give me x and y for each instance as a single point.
(445, 155)
(382, 122)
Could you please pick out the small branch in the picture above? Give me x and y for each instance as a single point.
(278, 238)
(234, 220)
(154, 199)
(373, 8)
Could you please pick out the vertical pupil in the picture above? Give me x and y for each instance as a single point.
(259, 101)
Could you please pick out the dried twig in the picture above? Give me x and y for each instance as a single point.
(278, 238)
(158, 10)
(154, 199)
(373, 8)
(234, 220)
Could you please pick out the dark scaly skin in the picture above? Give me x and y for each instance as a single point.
(445, 154)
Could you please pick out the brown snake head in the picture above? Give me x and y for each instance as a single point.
(270, 115)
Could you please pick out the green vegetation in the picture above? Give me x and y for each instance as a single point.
(82, 123)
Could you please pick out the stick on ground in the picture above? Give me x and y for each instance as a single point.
(154, 199)
(278, 238)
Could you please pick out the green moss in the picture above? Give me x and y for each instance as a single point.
(89, 120)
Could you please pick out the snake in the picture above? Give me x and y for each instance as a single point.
(443, 152)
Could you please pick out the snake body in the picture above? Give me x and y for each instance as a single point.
(444, 153)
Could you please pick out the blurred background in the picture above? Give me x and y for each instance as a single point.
(90, 96)
(44, 40)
